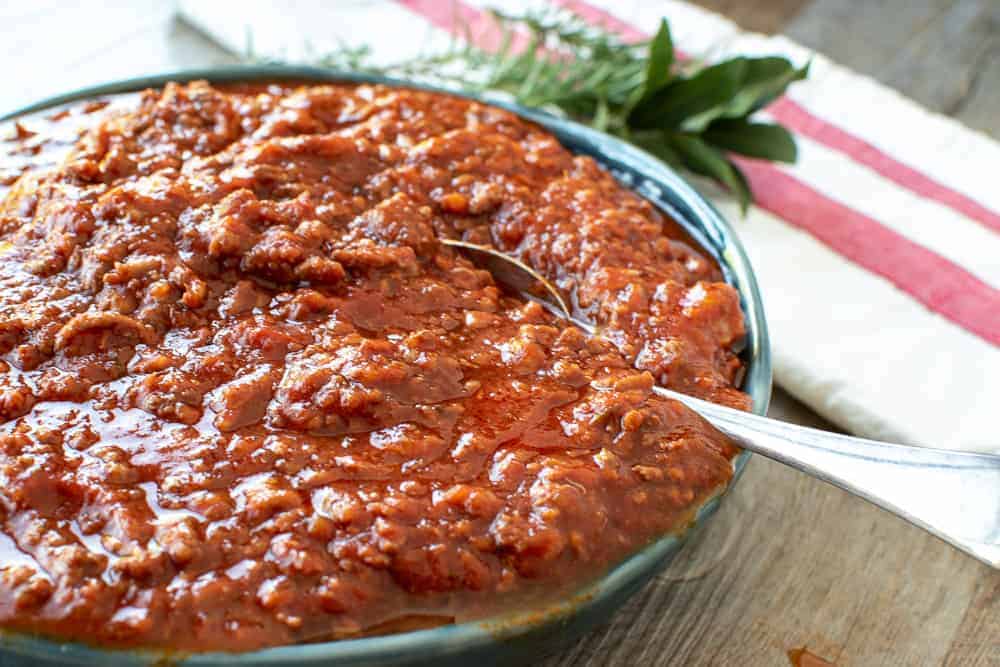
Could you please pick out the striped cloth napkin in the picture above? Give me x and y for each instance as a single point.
(878, 252)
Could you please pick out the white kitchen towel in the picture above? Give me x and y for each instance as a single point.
(878, 252)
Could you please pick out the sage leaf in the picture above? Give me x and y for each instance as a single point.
(758, 140)
(661, 59)
(705, 160)
(657, 144)
(765, 80)
(708, 90)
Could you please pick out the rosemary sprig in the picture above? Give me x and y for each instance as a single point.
(693, 117)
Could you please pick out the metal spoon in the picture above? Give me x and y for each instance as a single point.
(953, 495)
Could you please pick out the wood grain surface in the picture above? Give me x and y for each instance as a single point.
(788, 561)
(943, 53)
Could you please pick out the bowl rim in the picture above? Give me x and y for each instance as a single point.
(692, 211)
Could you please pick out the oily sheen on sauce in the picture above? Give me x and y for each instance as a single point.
(248, 399)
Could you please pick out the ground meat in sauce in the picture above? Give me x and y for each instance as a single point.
(248, 399)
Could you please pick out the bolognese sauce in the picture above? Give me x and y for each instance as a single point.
(247, 397)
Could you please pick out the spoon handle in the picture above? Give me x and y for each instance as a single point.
(954, 495)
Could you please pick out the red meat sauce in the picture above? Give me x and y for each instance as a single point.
(248, 399)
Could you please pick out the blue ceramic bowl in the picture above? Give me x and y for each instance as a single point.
(520, 636)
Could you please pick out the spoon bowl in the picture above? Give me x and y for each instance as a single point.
(953, 495)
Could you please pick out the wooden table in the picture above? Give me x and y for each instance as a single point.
(802, 564)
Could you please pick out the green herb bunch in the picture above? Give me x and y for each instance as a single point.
(690, 116)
